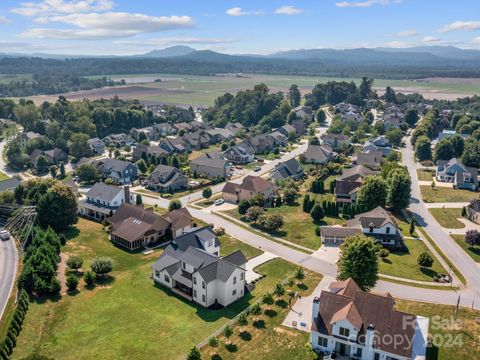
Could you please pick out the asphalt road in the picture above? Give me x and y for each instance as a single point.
(8, 270)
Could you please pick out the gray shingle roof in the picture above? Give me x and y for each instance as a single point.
(9, 184)
(103, 191)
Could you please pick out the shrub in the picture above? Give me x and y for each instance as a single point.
(383, 253)
(102, 265)
(72, 282)
(174, 205)
(425, 260)
(74, 262)
(213, 341)
(219, 231)
(89, 278)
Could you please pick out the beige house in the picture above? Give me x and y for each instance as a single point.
(250, 187)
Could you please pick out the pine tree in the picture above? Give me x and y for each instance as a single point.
(306, 203)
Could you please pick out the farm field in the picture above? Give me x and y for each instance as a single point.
(202, 90)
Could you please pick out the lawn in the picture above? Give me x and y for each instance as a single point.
(425, 175)
(127, 317)
(208, 202)
(473, 251)
(3, 176)
(298, 228)
(264, 336)
(448, 218)
(459, 340)
(444, 194)
(404, 226)
(404, 264)
(230, 244)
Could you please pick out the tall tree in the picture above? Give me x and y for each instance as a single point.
(399, 189)
(294, 96)
(444, 150)
(359, 261)
(373, 193)
(390, 95)
(423, 148)
(366, 88)
(471, 153)
(411, 117)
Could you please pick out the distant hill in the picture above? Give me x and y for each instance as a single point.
(179, 50)
(451, 52)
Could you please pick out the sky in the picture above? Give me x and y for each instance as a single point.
(125, 27)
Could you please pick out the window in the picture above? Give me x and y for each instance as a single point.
(241, 276)
(344, 332)
(210, 242)
(203, 284)
(359, 351)
(203, 298)
(157, 273)
(195, 280)
(371, 229)
(376, 356)
(234, 280)
(388, 229)
(234, 292)
(194, 293)
(183, 266)
(166, 278)
(322, 341)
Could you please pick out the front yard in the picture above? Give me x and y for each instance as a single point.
(127, 317)
(448, 218)
(473, 251)
(425, 175)
(444, 194)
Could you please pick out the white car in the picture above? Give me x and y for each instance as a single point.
(219, 202)
(4, 235)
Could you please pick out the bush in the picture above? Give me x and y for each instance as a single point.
(317, 231)
(72, 282)
(174, 205)
(89, 278)
(219, 231)
(425, 260)
(74, 262)
(102, 265)
(383, 253)
(243, 206)
(213, 341)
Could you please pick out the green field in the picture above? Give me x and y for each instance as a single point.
(448, 218)
(126, 317)
(473, 251)
(444, 194)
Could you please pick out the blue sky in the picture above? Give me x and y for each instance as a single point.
(242, 26)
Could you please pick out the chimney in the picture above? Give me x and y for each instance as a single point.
(370, 339)
(315, 308)
(126, 189)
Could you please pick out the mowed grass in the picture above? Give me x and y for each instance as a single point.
(425, 175)
(443, 194)
(448, 218)
(454, 340)
(230, 245)
(473, 251)
(129, 318)
(404, 264)
(3, 176)
(264, 337)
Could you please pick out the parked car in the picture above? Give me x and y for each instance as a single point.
(257, 168)
(4, 235)
(219, 202)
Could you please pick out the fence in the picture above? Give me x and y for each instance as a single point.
(233, 321)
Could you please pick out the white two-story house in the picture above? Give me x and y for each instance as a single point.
(365, 326)
(191, 267)
(103, 200)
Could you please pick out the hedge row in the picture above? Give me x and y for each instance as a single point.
(15, 326)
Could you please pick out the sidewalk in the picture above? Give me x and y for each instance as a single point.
(257, 261)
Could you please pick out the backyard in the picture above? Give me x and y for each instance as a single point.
(126, 316)
(473, 251)
(264, 336)
(444, 194)
(448, 218)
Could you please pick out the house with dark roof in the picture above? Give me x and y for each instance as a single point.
(250, 187)
(453, 171)
(175, 145)
(53, 156)
(260, 144)
(118, 140)
(164, 129)
(191, 267)
(336, 235)
(362, 325)
(196, 140)
(287, 169)
(97, 146)
(473, 210)
(277, 139)
(211, 165)
(167, 178)
(239, 154)
(318, 154)
(149, 150)
(357, 173)
(393, 116)
(103, 200)
(235, 127)
(286, 130)
(150, 133)
(346, 191)
(379, 144)
(181, 221)
(120, 171)
(371, 159)
(217, 135)
(337, 141)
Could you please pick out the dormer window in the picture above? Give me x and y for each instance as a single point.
(344, 332)
(388, 229)
(371, 228)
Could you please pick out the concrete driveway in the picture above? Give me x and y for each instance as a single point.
(257, 261)
(330, 254)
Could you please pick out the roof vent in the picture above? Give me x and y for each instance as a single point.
(371, 327)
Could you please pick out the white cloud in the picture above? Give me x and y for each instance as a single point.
(237, 11)
(431, 39)
(49, 7)
(288, 10)
(410, 32)
(106, 25)
(366, 3)
(174, 41)
(397, 44)
(476, 40)
(461, 25)
(4, 20)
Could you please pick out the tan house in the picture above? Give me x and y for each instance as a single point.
(250, 187)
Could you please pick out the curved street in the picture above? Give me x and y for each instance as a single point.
(8, 271)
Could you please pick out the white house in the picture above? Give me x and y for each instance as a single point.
(103, 200)
(365, 326)
(191, 267)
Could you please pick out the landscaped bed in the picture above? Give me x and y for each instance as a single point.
(473, 251)
(448, 217)
(444, 194)
(127, 316)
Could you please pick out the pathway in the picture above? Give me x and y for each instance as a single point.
(257, 261)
